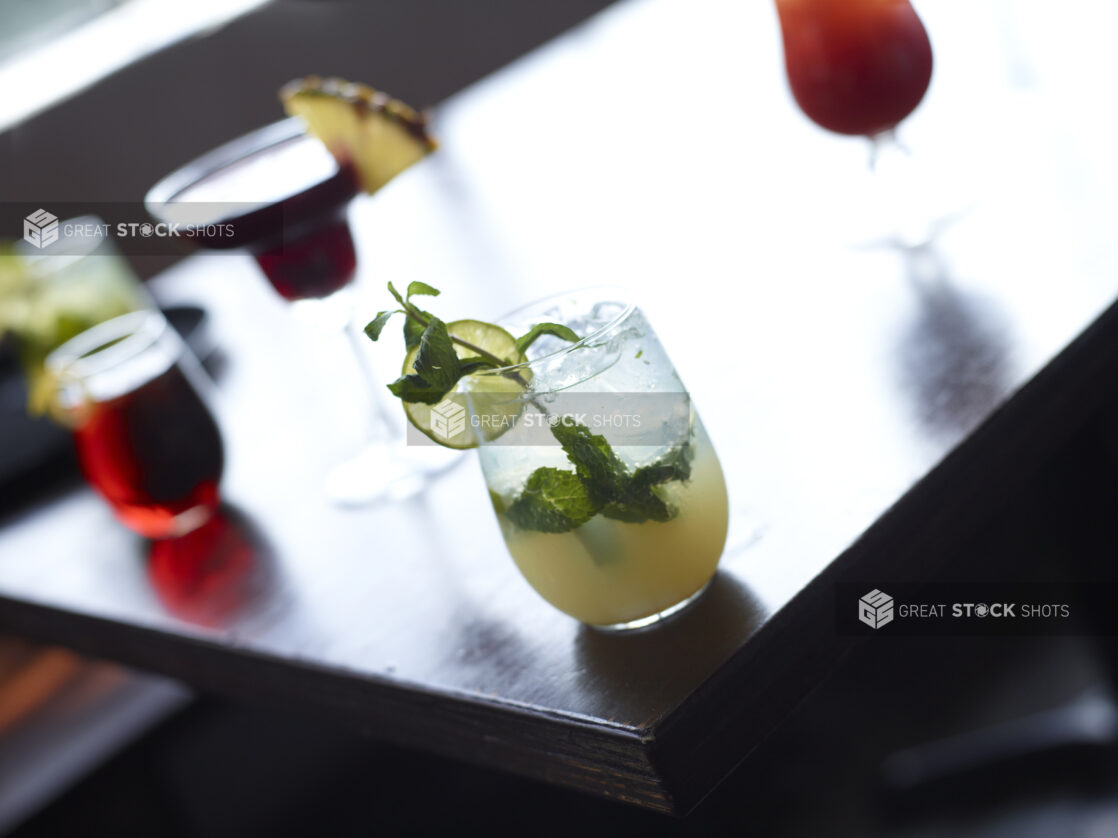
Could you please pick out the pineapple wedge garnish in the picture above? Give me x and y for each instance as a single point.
(380, 135)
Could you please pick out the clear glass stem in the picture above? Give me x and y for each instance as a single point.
(907, 202)
(334, 316)
(380, 427)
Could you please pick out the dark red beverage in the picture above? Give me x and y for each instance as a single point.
(310, 264)
(855, 66)
(277, 193)
(145, 439)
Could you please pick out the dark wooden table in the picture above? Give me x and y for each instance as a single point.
(869, 403)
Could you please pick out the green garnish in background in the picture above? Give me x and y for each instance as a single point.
(45, 311)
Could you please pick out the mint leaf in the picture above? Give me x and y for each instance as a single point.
(638, 505)
(423, 289)
(437, 369)
(413, 329)
(553, 501)
(675, 465)
(640, 501)
(600, 470)
(416, 388)
(466, 366)
(392, 290)
(377, 324)
(540, 329)
(436, 361)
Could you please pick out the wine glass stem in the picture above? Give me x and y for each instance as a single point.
(380, 425)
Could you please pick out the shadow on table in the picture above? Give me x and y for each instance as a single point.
(670, 659)
(221, 572)
(954, 357)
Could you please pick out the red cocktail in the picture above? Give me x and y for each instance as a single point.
(277, 193)
(860, 67)
(855, 66)
(145, 439)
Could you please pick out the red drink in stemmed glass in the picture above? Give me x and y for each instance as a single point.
(282, 196)
(277, 193)
(855, 66)
(859, 68)
(145, 439)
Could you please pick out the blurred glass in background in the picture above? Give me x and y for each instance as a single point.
(47, 299)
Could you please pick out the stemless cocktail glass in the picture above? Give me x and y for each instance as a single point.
(129, 389)
(624, 567)
(278, 193)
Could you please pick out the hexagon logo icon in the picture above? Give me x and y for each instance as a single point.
(448, 419)
(875, 609)
(40, 228)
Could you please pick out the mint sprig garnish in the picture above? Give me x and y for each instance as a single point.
(414, 325)
(551, 502)
(438, 368)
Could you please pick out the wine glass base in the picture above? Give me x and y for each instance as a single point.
(652, 619)
(387, 472)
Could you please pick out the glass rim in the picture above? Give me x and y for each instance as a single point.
(233, 151)
(620, 294)
(107, 345)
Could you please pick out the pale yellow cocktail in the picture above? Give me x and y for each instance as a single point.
(653, 532)
(609, 572)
